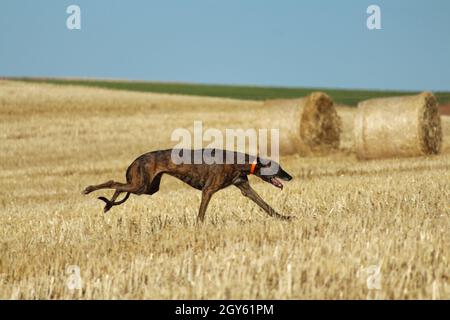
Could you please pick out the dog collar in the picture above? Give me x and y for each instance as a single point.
(253, 167)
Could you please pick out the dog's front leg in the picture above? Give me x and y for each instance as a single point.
(248, 191)
(206, 196)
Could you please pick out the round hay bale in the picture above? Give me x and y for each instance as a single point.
(320, 125)
(398, 127)
(282, 114)
(308, 126)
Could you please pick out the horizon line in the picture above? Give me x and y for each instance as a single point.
(287, 87)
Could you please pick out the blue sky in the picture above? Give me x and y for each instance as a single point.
(321, 43)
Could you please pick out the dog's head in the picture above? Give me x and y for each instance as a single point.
(269, 171)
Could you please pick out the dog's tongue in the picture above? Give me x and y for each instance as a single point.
(276, 183)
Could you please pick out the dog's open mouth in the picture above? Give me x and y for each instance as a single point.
(276, 183)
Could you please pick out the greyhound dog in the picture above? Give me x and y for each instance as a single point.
(144, 175)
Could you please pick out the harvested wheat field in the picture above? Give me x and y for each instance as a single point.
(351, 215)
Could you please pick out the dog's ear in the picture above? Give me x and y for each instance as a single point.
(265, 163)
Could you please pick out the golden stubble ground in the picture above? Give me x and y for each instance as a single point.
(352, 216)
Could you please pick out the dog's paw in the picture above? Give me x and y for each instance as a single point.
(87, 190)
(289, 218)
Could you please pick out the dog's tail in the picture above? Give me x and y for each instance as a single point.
(109, 204)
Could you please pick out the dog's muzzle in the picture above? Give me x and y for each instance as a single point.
(277, 183)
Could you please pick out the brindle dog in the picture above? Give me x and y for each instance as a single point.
(144, 176)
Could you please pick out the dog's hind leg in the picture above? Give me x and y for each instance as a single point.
(136, 186)
(119, 186)
(248, 191)
(154, 185)
(105, 185)
(137, 179)
(111, 203)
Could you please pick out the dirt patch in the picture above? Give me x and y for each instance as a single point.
(445, 109)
